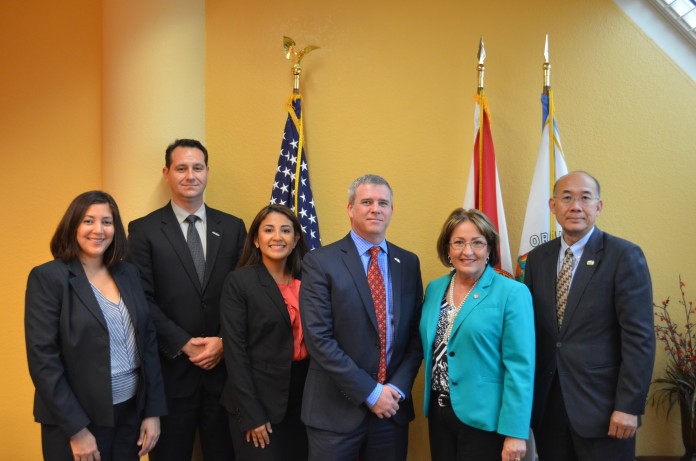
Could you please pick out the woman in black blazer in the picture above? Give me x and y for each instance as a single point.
(264, 349)
(91, 346)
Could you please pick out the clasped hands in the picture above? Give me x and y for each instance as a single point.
(388, 402)
(204, 352)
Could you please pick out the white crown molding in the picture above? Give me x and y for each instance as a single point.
(662, 32)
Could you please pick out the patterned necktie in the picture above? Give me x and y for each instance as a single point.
(563, 286)
(195, 246)
(379, 298)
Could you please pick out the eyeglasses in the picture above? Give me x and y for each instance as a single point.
(568, 199)
(475, 245)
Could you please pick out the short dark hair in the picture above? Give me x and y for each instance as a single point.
(64, 243)
(372, 179)
(184, 143)
(478, 219)
(252, 255)
(555, 185)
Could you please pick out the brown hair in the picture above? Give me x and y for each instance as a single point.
(252, 255)
(193, 143)
(64, 241)
(478, 219)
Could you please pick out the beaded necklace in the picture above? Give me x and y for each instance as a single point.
(454, 310)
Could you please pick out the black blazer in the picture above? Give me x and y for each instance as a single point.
(604, 352)
(258, 340)
(180, 307)
(342, 337)
(68, 347)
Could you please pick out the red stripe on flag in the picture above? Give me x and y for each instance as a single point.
(484, 177)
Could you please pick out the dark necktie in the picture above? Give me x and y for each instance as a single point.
(379, 298)
(195, 246)
(563, 286)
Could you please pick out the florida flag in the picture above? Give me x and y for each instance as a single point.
(483, 186)
(540, 224)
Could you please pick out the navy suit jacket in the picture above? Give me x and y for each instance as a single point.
(342, 338)
(180, 307)
(258, 340)
(604, 352)
(68, 347)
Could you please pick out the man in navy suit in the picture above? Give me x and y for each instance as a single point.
(183, 288)
(595, 350)
(357, 398)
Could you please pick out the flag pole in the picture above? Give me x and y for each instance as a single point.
(552, 133)
(481, 70)
(296, 55)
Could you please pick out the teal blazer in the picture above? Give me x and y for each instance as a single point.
(490, 353)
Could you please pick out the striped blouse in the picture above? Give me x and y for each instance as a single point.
(125, 358)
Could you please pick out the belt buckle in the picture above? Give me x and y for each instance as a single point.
(443, 400)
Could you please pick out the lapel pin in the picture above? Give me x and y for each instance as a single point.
(216, 234)
(590, 262)
(476, 295)
(397, 260)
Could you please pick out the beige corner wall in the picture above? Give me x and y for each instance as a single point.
(390, 92)
(86, 105)
(154, 92)
(50, 126)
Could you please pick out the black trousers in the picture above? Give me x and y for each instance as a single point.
(557, 441)
(289, 437)
(452, 440)
(117, 443)
(200, 413)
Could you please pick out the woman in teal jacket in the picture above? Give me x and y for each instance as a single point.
(477, 329)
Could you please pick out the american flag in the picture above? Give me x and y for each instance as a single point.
(286, 191)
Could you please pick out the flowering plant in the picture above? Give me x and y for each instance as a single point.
(678, 385)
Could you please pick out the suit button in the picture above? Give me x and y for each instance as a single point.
(559, 344)
(451, 354)
(454, 383)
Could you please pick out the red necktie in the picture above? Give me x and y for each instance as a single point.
(379, 298)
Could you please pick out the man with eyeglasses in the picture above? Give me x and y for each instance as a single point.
(594, 327)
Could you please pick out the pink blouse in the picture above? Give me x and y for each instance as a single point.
(291, 295)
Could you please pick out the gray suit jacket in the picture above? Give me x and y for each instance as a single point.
(340, 328)
(605, 351)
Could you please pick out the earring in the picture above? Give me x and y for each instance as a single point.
(487, 259)
(449, 260)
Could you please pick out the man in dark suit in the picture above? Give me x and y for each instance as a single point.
(362, 336)
(595, 340)
(184, 252)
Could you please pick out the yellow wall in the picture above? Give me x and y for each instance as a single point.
(153, 93)
(50, 126)
(389, 92)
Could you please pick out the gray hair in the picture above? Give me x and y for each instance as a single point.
(371, 179)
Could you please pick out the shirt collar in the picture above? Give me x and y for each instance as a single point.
(182, 214)
(578, 247)
(364, 246)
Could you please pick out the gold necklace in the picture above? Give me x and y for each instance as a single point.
(454, 310)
